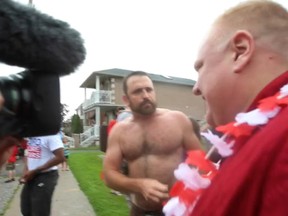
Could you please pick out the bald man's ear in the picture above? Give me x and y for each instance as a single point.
(243, 46)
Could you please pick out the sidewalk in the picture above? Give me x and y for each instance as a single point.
(68, 199)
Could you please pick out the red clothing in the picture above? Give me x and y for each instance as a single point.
(23, 144)
(254, 180)
(110, 125)
(12, 158)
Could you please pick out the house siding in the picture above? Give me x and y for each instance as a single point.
(179, 97)
(118, 91)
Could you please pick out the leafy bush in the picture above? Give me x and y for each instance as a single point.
(76, 124)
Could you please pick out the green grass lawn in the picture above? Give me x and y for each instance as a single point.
(86, 167)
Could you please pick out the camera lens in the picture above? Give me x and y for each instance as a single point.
(16, 91)
(31, 104)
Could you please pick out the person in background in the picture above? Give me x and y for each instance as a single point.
(123, 114)
(40, 174)
(23, 148)
(6, 148)
(10, 165)
(6, 143)
(65, 164)
(206, 145)
(196, 127)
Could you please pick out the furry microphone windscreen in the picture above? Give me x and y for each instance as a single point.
(38, 42)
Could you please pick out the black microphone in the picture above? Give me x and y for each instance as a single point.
(47, 48)
(36, 41)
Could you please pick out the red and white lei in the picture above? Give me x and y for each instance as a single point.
(191, 182)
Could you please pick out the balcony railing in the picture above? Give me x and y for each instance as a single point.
(98, 96)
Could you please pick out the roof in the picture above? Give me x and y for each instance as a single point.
(115, 72)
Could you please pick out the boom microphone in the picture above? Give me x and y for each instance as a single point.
(47, 48)
(36, 41)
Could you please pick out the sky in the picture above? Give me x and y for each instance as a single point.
(155, 36)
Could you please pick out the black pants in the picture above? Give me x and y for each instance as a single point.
(136, 211)
(36, 196)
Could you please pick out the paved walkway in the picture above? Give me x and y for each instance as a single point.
(68, 199)
(7, 190)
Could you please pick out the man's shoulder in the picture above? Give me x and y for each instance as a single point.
(168, 112)
(122, 125)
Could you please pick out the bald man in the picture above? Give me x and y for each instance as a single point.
(244, 60)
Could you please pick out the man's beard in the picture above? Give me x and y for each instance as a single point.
(143, 109)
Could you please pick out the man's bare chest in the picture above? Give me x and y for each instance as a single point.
(137, 142)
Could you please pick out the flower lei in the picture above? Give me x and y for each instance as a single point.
(191, 182)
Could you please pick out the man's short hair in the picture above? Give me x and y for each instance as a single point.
(135, 73)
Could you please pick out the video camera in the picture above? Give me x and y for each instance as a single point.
(47, 48)
(32, 104)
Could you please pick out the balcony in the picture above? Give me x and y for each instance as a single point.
(98, 97)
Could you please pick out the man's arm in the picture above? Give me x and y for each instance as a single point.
(28, 175)
(112, 162)
(59, 158)
(56, 146)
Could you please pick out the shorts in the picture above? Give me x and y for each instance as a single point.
(10, 166)
(136, 211)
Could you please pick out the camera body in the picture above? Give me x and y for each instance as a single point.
(47, 48)
(31, 104)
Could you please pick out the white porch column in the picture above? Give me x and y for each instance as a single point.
(85, 98)
(97, 116)
(84, 116)
(97, 121)
(97, 109)
(97, 83)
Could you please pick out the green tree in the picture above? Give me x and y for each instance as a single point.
(64, 111)
(76, 124)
